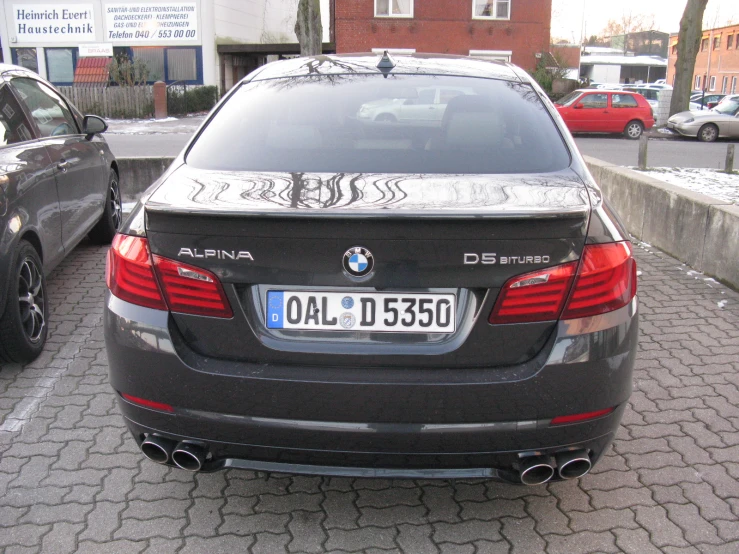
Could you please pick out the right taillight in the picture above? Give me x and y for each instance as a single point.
(604, 280)
(131, 275)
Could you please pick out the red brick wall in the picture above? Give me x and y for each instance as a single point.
(724, 62)
(447, 27)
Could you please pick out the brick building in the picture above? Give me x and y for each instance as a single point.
(511, 30)
(721, 74)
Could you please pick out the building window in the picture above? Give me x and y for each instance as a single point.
(60, 65)
(153, 57)
(393, 8)
(497, 55)
(733, 85)
(674, 49)
(704, 44)
(25, 57)
(697, 82)
(171, 63)
(182, 64)
(730, 42)
(724, 85)
(712, 86)
(717, 42)
(491, 9)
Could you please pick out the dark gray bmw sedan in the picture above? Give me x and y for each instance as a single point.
(375, 267)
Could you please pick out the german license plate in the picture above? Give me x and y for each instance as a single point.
(372, 311)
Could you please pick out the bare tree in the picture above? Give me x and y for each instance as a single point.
(308, 27)
(688, 42)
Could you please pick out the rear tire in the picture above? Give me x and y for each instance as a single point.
(23, 326)
(634, 130)
(112, 217)
(708, 133)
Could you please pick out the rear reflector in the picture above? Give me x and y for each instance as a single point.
(535, 296)
(130, 275)
(605, 280)
(148, 403)
(561, 420)
(191, 290)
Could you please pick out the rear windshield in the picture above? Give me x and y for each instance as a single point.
(369, 123)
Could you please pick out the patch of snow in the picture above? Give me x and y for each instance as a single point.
(711, 182)
(711, 280)
(638, 273)
(722, 304)
(665, 131)
(693, 273)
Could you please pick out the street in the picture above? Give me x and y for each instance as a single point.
(167, 139)
(73, 480)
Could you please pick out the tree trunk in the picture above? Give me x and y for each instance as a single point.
(688, 43)
(308, 27)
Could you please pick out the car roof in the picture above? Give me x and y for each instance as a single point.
(366, 63)
(601, 90)
(5, 67)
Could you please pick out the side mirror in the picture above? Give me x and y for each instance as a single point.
(577, 107)
(92, 125)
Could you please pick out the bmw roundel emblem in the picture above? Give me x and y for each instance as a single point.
(358, 261)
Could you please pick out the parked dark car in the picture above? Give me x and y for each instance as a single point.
(309, 291)
(58, 183)
(606, 111)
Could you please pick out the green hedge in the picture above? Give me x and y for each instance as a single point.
(191, 99)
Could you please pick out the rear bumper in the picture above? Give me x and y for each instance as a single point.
(393, 422)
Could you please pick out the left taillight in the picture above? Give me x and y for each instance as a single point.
(129, 273)
(134, 275)
(191, 290)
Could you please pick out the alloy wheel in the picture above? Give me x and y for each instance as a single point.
(116, 207)
(31, 300)
(708, 133)
(634, 130)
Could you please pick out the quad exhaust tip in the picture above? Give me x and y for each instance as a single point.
(573, 464)
(187, 456)
(536, 470)
(157, 449)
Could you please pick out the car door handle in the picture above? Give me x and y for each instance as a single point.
(63, 165)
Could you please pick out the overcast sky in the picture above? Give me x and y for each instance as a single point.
(567, 15)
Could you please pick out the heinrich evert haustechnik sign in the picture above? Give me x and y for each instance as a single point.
(39, 23)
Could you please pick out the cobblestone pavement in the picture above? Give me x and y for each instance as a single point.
(72, 480)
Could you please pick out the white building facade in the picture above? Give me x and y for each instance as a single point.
(178, 40)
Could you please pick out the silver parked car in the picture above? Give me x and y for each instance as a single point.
(721, 121)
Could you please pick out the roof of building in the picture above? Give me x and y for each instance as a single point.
(653, 61)
(366, 63)
(92, 72)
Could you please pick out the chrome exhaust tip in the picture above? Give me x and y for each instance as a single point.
(188, 456)
(573, 464)
(157, 449)
(536, 470)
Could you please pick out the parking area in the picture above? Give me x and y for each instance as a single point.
(72, 480)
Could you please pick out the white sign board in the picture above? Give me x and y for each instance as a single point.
(39, 23)
(151, 22)
(100, 50)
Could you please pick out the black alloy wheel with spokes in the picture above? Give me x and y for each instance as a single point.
(112, 217)
(23, 325)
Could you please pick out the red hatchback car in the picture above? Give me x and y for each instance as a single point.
(606, 111)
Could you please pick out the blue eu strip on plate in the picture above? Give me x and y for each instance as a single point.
(275, 309)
